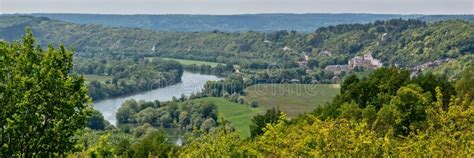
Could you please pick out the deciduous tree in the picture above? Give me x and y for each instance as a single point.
(42, 104)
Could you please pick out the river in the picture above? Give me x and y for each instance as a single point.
(190, 83)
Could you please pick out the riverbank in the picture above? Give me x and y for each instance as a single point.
(190, 83)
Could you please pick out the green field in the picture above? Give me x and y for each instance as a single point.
(191, 62)
(293, 99)
(100, 78)
(239, 115)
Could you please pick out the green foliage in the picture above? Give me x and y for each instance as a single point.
(402, 42)
(154, 143)
(386, 114)
(260, 122)
(126, 76)
(397, 42)
(369, 113)
(398, 101)
(103, 147)
(126, 111)
(409, 123)
(193, 62)
(449, 133)
(350, 111)
(375, 89)
(453, 68)
(96, 121)
(186, 115)
(466, 83)
(254, 103)
(411, 103)
(220, 143)
(236, 23)
(316, 139)
(429, 82)
(388, 117)
(238, 115)
(42, 104)
(230, 85)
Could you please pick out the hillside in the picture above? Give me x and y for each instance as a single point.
(380, 112)
(227, 23)
(395, 42)
(238, 23)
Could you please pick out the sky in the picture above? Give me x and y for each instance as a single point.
(225, 7)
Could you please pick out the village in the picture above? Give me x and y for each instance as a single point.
(366, 61)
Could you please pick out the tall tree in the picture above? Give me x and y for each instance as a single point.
(42, 104)
(466, 83)
(259, 122)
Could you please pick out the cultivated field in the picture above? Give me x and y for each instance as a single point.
(293, 99)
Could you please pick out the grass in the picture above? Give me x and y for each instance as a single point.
(191, 62)
(197, 62)
(293, 99)
(239, 115)
(99, 78)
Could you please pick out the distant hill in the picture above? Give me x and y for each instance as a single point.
(239, 23)
(226, 23)
(405, 43)
(434, 18)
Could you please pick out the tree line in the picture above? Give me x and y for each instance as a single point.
(128, 75)
(172, 114)
(427, 115)
(45, 109)
(396, 42)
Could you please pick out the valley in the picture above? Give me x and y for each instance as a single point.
(373, 85)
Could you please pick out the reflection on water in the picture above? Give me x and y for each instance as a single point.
(190, 83)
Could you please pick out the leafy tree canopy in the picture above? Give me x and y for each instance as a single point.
(42, 104)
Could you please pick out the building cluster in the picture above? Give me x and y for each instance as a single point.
(304, 63)
(431, 64)
(419, 68)
(365, 61)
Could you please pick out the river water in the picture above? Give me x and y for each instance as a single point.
(190, 83)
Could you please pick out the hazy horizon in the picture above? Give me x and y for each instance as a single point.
(216, 14)
(237, 7)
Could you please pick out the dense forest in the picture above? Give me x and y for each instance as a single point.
(427, 115)
(227, 23)
(397, 42)
(127, 75)
(238, 23)
(388, 40)
(173, 114)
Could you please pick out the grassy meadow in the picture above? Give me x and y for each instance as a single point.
(239, 115)
(100, 78)
(293, 99)
(191, 62)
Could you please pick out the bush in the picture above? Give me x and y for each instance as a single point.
(254, 103)
(241, 100)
